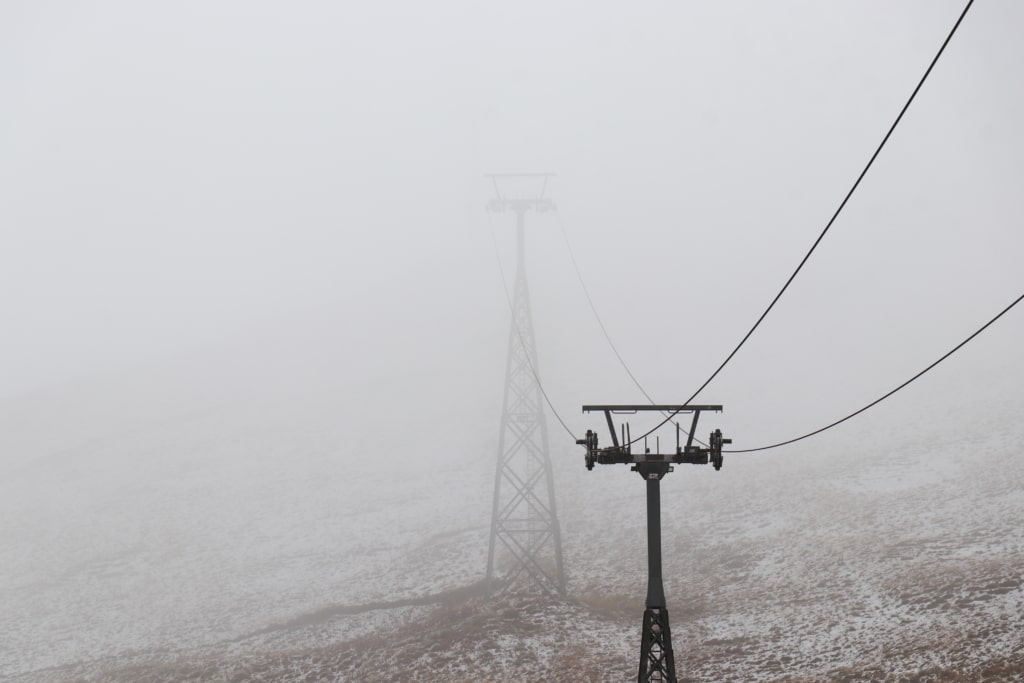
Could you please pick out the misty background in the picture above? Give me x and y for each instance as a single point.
(244, 244)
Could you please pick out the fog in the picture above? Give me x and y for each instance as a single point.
(247, 272)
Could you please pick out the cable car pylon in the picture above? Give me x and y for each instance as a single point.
(657, 660)
(524, 519)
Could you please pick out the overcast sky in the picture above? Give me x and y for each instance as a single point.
(304, 179)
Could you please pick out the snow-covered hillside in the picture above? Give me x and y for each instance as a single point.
(896, 557)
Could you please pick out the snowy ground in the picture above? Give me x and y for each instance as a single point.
(152, 556)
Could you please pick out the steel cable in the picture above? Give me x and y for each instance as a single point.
(828, 226)
(885, 396)
(604, 330)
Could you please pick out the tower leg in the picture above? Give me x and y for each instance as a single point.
(657, 662)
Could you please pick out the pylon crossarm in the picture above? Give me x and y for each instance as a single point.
(630, 408)
(622, 453)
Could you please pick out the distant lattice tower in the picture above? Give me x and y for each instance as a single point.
(524, 519)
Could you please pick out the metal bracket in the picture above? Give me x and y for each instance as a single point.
(652, 464)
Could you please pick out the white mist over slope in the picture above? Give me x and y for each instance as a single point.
(253, 332)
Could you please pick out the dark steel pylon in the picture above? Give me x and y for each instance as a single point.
(524, 519)
(657, 661)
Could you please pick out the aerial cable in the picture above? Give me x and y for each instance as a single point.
(832, 220)
(600, 323)
(882, 398)
(519, 333)
(593, 309)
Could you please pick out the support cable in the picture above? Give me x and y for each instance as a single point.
(604, 330)
(882, 398)
(832, 220)
(519, 333)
